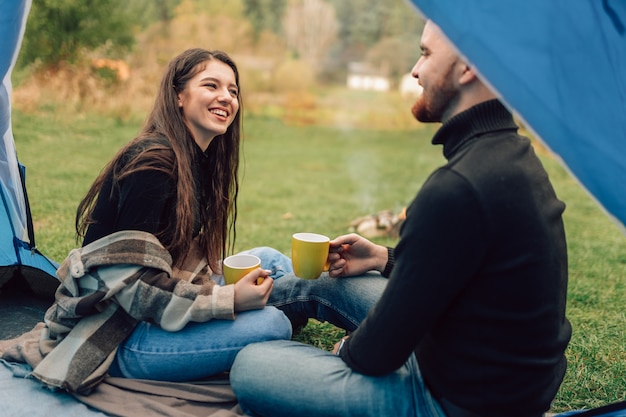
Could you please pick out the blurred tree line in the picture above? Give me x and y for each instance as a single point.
(327, 34)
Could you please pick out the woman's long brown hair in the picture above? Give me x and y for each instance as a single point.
(218, 215)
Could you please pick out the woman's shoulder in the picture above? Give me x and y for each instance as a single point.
(146, 153)
(149, 146)
(152, 142)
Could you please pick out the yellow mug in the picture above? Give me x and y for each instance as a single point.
(236, 266)
(309, 254)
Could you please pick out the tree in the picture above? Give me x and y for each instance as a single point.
(61, 30)
(396, 55)
(265, 14)
(310, 28)
(365, 23)
(146, 12)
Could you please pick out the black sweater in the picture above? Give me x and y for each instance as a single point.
(478, 289)
(146, 199)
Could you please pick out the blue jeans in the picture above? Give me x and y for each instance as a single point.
(201, 350)
(342, 302)
(287, 378)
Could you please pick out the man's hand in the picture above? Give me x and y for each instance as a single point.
(339, 345)
(352, 255)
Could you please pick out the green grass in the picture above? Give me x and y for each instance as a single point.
(319, 179)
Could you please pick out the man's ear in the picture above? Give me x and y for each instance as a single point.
(467, 74)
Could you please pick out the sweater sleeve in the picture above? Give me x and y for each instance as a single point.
(438, 252)
(172, 303)
(173, 300)
(391, 260)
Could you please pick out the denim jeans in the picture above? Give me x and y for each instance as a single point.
(343, 302)
(200, 350)
(287, 378)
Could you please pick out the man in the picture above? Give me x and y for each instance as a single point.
(471, 321)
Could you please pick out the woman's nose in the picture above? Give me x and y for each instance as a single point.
(225, 96)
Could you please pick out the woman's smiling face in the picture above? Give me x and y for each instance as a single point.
(210, 102)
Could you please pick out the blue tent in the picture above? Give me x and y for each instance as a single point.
(19, 258)
(560, 65)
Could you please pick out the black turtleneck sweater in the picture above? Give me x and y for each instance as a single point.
(478, 289)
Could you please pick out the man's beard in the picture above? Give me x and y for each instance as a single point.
(435, 101)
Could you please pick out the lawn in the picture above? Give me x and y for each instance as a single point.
(318, 179)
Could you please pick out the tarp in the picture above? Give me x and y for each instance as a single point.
(560, 65)
(17, 246)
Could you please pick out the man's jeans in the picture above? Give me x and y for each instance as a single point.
(287, 378)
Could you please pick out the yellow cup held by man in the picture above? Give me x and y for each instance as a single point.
(309, 254)
(236, 266)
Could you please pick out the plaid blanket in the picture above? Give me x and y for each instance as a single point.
(106, 288)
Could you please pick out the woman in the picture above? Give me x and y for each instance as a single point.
(177, 180)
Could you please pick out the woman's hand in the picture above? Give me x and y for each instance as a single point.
(249, 295)
(352, 255)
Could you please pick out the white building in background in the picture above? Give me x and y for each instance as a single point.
(409, 87)
(363, 77)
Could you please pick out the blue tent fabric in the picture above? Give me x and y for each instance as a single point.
(17, 246)
(12, 23)
(560, 65)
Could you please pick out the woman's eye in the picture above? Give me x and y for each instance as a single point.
(234, 93)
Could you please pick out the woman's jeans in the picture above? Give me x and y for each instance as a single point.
(287, 378)
(200, 350)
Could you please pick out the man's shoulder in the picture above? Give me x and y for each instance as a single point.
(492, 150)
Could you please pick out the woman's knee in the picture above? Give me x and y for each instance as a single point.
(269, 324)
(273, 260)
(282, 325)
